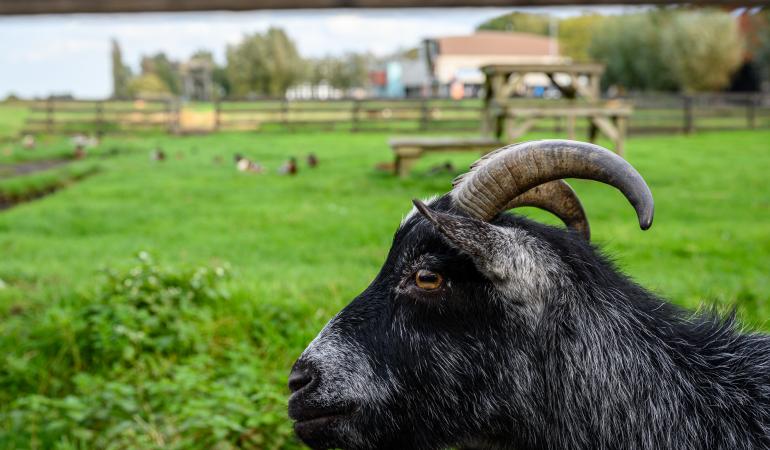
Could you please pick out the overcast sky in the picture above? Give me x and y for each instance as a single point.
(71, 54)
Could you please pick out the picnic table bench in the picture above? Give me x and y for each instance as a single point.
(408, 150)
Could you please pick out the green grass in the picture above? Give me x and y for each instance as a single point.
(12, 117)
(299, 249)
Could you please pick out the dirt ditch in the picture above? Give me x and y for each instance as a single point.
(9, 200)
(25, 168)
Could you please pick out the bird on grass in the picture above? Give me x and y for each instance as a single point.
(28, 142)
(80, 152)
(290, 168)
(158, 154)
(312, 160)
(244, 164)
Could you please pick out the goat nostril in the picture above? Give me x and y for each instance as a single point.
(299, 379)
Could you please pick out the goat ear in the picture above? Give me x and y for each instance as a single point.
(488, 245)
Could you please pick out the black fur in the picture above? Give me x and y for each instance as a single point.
(597, 362)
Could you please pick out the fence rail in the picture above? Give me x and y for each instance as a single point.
(97, 116)
(663, 113)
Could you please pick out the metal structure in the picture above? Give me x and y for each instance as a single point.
(15, 7)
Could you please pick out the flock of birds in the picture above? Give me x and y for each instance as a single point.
(244, 164)
(81, 143)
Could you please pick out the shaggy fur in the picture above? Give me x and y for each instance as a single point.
(536, 341)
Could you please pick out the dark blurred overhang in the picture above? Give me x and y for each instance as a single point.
(15, 7)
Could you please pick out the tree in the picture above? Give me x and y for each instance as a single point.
(519, 22)
(350, 71)
(319, 70)
(631, 48)
(204, 55)
(148, 85)
(576, 33)
(167, 70)
(264, 64)
(344, 72)
(669, 50)
(121, 74)
(703, 49)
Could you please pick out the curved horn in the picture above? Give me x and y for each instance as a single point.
(506, 173)
(558, 198)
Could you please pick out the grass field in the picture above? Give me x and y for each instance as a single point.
(189, 345)
(12, 117)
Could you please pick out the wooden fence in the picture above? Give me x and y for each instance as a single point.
(350, 114)
(100, 117)
(704, 112)
(652, 114)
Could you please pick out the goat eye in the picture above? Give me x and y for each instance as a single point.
(425, 279)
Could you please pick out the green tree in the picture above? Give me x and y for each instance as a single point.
(576, 34)
(631, 48)
(264, 64)
(148, 85)
(319, 70)
(350, 71)
(203, 54)
(692, 50)
(519, 22)
(167, 70)
(703, 49)
(246, 66)
(121, 75)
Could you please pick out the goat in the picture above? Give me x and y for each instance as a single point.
(485, 329)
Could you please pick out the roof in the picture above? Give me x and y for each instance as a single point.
(498, 43)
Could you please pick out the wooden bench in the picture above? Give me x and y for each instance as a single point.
(408, 150)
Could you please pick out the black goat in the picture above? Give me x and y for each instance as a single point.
(488, 330)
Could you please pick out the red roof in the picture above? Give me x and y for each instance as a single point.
(498, 43)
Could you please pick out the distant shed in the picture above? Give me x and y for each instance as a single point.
(460, 59)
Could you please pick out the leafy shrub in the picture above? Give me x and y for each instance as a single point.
(147, 361)
(148, 311)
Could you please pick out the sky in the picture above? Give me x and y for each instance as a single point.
(41, 55)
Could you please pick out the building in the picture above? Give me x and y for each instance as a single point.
(451, 66)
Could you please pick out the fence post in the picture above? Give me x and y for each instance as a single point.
(217, 114)
(689, 124)
(99, 119)
(424, 115)
(285, 112)
(173, 113)
(557, 125)
(49, 112)
(354, 112)
(751, 110)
